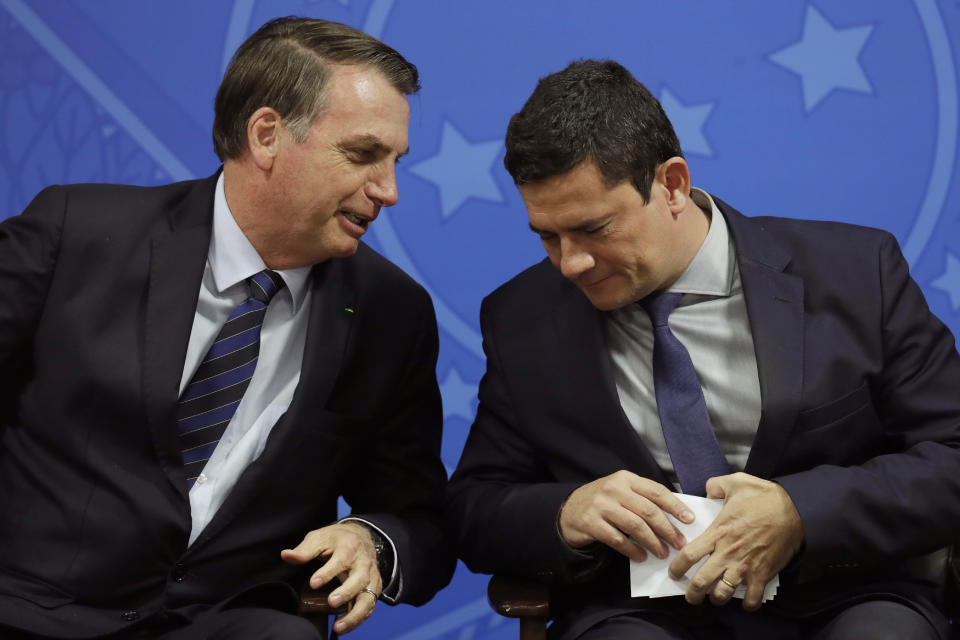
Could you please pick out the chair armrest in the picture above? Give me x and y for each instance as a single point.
(516, 598)
(313, 602)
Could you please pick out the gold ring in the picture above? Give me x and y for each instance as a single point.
(728, 583)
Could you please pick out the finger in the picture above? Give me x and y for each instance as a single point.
(337, 564)
(691, 553)
(362, 573)
(721, 486)
(655, 526)
(312, 546)
(619, 541)
(663, 498)
(703, 581)
(360, 609)
(725, 587)
(625, 521)
(754, 597)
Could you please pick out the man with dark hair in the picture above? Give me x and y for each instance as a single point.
(196, 372)
(800, 377)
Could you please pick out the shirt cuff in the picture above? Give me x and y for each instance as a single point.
(393, 586)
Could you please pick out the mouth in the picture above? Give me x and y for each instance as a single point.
(356, 219)
(588, 285)
(354, 223)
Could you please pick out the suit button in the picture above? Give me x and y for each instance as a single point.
(130, 616)
(179, 573)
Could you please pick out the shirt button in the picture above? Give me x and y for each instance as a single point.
(130, 616)
(201, 478)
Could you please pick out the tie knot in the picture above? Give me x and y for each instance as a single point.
(659, 305)
(265, 285)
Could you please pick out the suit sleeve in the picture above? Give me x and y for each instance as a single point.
(502, 502)
(28, 253)
(905, 501)
(399, 486)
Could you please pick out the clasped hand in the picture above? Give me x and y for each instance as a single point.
(351, 556)
(755, 535)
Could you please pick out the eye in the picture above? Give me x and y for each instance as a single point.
(362, 155)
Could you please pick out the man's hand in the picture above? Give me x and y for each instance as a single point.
(755, 535)
(348, 548)
(624, 512)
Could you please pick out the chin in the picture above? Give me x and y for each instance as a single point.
(344, 249)
(604, 303)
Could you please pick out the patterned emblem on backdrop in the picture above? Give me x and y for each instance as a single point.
(800, 108)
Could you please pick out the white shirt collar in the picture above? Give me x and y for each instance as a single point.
(233, 259)
(712, 270)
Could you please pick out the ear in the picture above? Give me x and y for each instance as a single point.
(264, 129)
(674, 174)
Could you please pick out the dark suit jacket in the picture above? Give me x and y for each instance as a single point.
(98, 287)
(860, 420)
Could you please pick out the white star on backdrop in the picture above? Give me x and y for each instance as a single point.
(458, 396)
(461, 170)
(688, 122)
(826, 58)
(949, 281)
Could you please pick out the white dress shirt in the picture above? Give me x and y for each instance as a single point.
(711, 322)
(231, 259)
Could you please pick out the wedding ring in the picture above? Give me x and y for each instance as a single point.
(728, 583)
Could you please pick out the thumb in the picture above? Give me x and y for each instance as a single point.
(717, 487)
(294, 556)
(306, 551)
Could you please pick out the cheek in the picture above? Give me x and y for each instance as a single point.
(615, 257)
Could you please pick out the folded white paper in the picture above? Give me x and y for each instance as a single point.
(651, 578)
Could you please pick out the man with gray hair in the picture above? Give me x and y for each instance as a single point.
(196, 372)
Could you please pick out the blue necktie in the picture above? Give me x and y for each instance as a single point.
(690, 438)
(210, 400)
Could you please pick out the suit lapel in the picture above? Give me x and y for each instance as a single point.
(591, 390)
(328, 332)
(178, 254)
(774, 302)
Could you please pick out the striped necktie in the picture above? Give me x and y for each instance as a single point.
(691, 440)
(213, 395)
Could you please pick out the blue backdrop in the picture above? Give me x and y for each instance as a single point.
(836, 110)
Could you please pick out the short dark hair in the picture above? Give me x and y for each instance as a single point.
(286, 65)
(594, 110)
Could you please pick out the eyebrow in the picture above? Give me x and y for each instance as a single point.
(583, 226)
(370, 140)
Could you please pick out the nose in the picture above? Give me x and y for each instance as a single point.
(574, 260)
(382, 188)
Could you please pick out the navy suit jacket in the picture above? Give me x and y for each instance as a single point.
(98, 287)
(860, 422)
